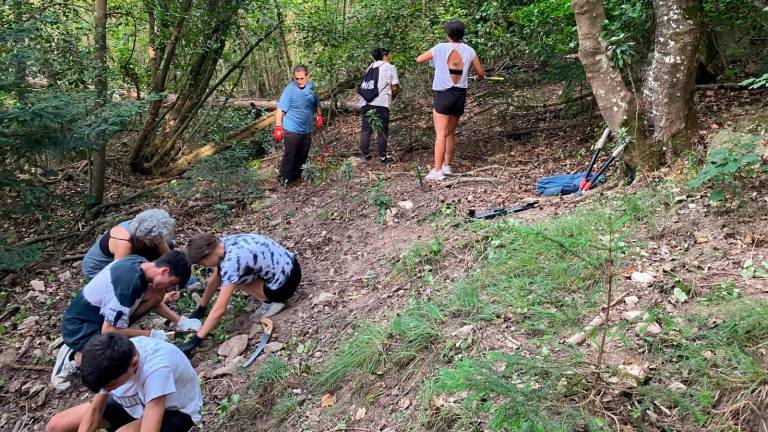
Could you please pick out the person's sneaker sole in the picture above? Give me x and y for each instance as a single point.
(62, 369)
(265, 312)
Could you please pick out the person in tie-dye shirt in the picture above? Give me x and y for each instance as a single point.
(252, 263)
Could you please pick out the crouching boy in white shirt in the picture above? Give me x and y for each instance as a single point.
(141, 384)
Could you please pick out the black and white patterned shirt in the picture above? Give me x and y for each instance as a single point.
(251, 256)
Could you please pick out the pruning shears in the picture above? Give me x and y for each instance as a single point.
(599, 146)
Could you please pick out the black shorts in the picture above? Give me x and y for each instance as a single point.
(288, 288)
(451, 101)
(173, 421)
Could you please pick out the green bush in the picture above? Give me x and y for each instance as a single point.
(729, 165)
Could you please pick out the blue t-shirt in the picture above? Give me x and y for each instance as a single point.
(299, 106)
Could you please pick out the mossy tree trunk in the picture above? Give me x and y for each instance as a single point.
(659, 111)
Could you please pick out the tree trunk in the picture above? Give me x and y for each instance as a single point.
(160, 67)
(165, 146)
(611, 94)
(661, 118)
(96, 189)
(671, 79)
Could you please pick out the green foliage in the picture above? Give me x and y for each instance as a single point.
(756, 82)
(227, 404)
(14, 258)
(347, 171)
(414, 330)
(363, 351)
(547, 274)
(729, 165)
(272, 372)
(285, 406)
(420, 257)
(232, 174)
(710, 361)
(312, 173)
(374, 120)
(515, 392)
(379, 198)
(628, 31)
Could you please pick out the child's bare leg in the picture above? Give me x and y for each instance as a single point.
(255, 289)
(69, 420)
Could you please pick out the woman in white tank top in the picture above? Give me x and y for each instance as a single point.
(451, 61)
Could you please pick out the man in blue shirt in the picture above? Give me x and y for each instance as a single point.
(295, 112)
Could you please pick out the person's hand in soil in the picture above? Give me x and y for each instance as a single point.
(188, 347)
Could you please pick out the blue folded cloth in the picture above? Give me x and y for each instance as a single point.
(563, 184)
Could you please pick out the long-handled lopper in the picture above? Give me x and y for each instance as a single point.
(501, 211)
(267, 324)
(598, 147)
(600, 172)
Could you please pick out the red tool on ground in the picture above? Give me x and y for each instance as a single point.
(598, 147)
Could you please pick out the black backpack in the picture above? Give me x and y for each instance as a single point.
(368, 89)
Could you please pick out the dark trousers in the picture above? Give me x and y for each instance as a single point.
(367, 129)
(296, 153)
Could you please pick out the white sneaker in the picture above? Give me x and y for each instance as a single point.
(447, 169)
(435, 175)
(63, 368)
(267, 310)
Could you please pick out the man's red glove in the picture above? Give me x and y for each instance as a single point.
(319, 121)
(278, 134)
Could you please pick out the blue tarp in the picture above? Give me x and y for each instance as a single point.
(564, 184)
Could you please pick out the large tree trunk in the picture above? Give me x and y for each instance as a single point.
(662, 118)
(98, 169)
(671, 79)
(167, 144)
(160, 66)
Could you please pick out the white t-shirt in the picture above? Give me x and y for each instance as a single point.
(387, 78)
(440, 53)
(163, 371)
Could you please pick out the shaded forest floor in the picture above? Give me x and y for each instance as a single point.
(419, 319)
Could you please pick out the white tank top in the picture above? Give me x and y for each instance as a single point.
(440, 53)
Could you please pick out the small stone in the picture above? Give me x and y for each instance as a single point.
(631, 301)
(702, 238)
(323, 298)
(65, 276)
(273, 347)
(707, 355)
(635, 371)
(37, 285)
(677, 387)
(577, 339)
(360, 414)
(633, 315)
(642, 278)
(229, 368)
(406, 205)
(650, 329)
(234, 346)
(404, 403)
(296, 391)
